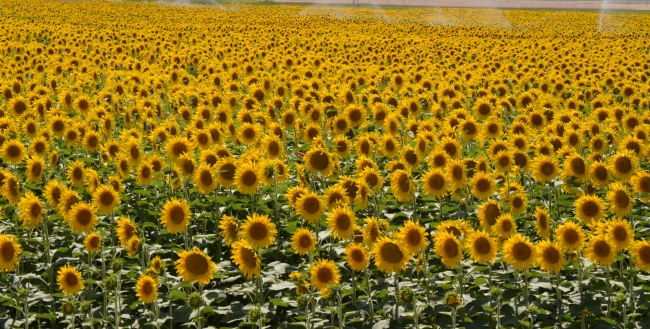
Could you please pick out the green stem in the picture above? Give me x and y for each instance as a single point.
(199, 316)
(354, 287)
(559, 299)
(609, 292)
(372, 308)
(396, 282)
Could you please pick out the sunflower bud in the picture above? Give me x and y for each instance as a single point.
(110, 283)
(452, 299)
(69, 307)
(254, 314)
(193, 301)
(303, 302)
(86, 307)
(117, 264)
(406, 295)
(621, 298)
(495, 291)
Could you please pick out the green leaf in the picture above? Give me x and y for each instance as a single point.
(278, 302)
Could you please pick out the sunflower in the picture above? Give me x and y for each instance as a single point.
(258, 230)
(228, 229)
(620, 234)
(123, 167)
(145, 173)
(125, 230)
(641, 185)
(30, 210)
(550, 257)
(342, 222)
(600, 250)
(303, 241)
(413, 237)
(70, 281)
(225, 169)
(599, 174)
(570, 236)
(434, 183)
(503, 161)
(13, 151)
(620, 202)
(175, 215)
(451, 146)
(410, 157)
(310, 206)
(542, 222)
(10, 249)
(76, 173)
(372, 178)
(317, 159)
(371, 232)
(91, 141)
(519, 252)
(195, 266)
(457, 173)
(205, 181)
(93, 242)
(156, 264)
(342, 148)
(402, 186)
(518, 202)
(488, 213)
(482, 247)
(146, 289)
(35, 168)
(68, 199)
(133, 246)
(357, 257)
(39, 146)
(483, 185)
(273, 148)
(106, 199)
(545, 168)
(589, 208)
(390, 256)
(324, 273)
(177, 146)
(623, 165)
(640, 251)
(248, 177)
(505, 226)
(246, 258)
(82, 218)
(575, 166)
(448, 248)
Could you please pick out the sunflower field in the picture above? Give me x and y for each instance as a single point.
(268, 166)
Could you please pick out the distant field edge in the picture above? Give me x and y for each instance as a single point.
(613, 5)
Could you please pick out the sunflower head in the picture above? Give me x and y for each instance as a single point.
(195, 266)
(70, 281)
(246, 258)
(390, 256)
(258, 230)
(324, 273)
